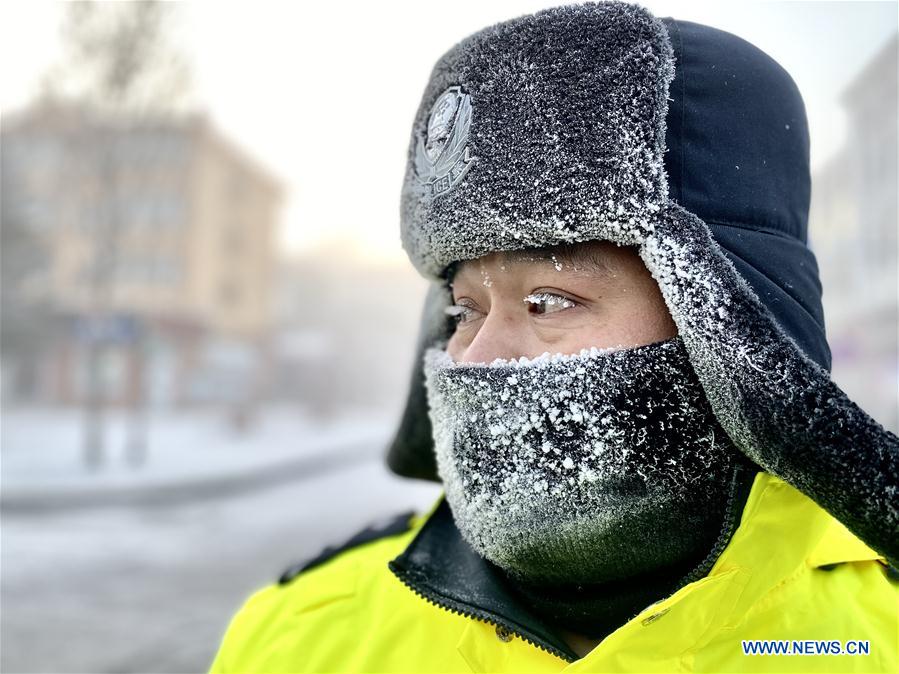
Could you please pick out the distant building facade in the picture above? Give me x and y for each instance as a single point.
(347, 327)
(853, 231)
(157, 241)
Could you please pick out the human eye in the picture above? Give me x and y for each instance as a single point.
(461, 312)
(541, 303)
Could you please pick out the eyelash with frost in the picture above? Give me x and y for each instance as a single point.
(549, 298)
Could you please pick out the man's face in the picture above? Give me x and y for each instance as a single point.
(559, 300)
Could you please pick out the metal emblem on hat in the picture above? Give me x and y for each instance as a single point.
(441, 158)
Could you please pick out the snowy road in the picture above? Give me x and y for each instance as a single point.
(151, 588)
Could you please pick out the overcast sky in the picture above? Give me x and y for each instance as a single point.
(323, 93)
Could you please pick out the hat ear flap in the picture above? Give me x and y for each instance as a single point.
(780, 408)
(411, 453)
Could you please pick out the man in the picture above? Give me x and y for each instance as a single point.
(622, 382)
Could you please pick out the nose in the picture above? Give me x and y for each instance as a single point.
(499, 336)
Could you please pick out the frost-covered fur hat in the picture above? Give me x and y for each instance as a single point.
(556, 127)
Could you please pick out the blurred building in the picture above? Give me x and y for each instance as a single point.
(347, 330)
(152, 238)
(853, 231)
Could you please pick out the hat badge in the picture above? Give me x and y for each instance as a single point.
(441, 153)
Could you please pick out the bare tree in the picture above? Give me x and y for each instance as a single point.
(27, 323)
(118, 58)
(121, 69)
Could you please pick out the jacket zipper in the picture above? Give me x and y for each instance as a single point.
(469, 612)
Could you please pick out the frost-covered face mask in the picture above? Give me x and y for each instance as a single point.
(571, 468)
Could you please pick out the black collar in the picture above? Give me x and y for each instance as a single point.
(440, 566)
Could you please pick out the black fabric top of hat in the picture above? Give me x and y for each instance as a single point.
(738, 157)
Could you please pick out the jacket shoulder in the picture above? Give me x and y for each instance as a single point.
(393, 526)
(323, 582)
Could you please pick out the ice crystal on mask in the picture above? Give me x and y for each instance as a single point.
(539, 455)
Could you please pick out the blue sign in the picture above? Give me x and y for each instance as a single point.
(107, 329)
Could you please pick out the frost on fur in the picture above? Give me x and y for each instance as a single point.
(547, 461)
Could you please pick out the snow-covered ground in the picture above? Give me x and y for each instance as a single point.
(151, 586)
(41, 448)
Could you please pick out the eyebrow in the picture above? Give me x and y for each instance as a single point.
(582, 258)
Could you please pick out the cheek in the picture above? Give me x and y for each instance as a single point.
(643, 322)
(583, 335)
(626, 320)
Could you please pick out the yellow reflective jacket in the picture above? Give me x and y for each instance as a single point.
(790, 572)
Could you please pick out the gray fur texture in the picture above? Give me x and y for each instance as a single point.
(552, 161)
